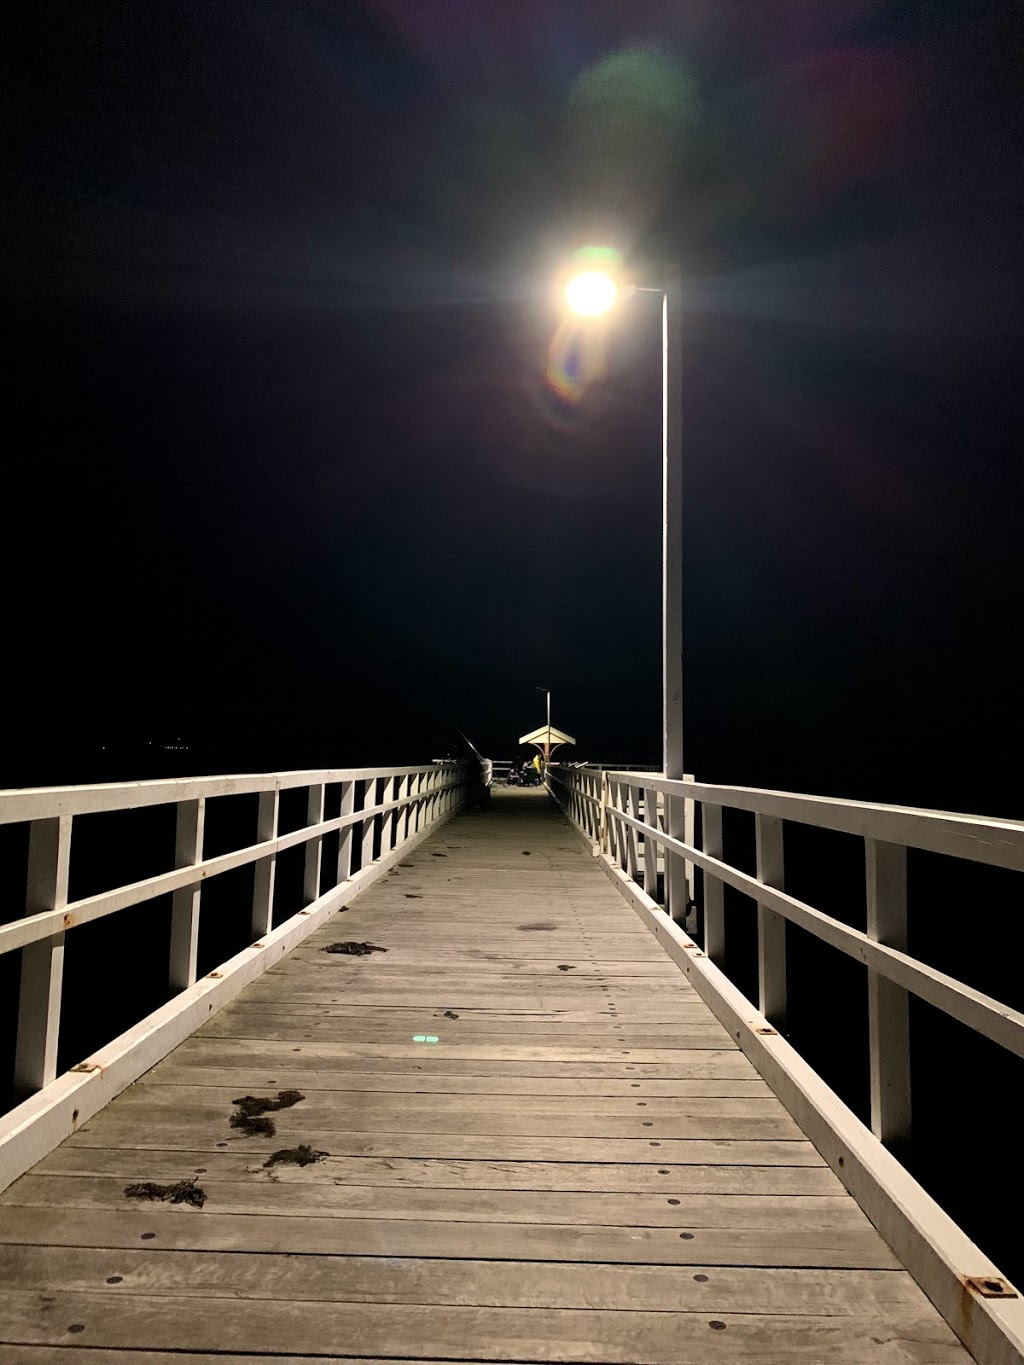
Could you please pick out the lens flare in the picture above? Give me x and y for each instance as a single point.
(577, 354)
(576, 359)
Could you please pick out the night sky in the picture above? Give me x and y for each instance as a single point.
(283, 478)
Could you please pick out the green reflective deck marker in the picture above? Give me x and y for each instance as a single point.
(425, 1038)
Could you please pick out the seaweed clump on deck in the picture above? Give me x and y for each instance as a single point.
(302, 1155)
(251, 1110)
(353, 949)
(182, 1192)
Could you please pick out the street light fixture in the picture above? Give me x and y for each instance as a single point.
(590, 293)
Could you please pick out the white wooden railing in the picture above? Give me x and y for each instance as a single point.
(612, 808)
(382, 812)
(622, 814)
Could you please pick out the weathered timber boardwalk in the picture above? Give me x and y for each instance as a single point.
(582, 1167)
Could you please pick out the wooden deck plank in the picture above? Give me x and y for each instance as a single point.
(264, 1194)
(456, 1333)
(678, 1064)
(583, 1168)
(278, 1029)
(481, 1284)
(183, 1136)
(599, 1052)
(320, 1107)
(144, 1122)
(454, 1239)
(309, 1081)
(164, 1166)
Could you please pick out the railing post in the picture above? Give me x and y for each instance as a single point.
(399, 817)
(611, 824)
(348, 805)
(631, 805)
(188, 850)
(266, 868)
(771, 927)
(888, 1004)
(651, 845)
(314, 847)
(369, 800)
(42, 963)
(689, 836)
(675, 865)
(714, 889)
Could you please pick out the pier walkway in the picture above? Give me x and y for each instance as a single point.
(526, 1138)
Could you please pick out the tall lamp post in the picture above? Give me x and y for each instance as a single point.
(591, 293)
(547, 691)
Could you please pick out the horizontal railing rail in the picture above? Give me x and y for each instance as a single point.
(623, 814)
(979, 838)
(381, 810)
(613, 809)
(37, 803)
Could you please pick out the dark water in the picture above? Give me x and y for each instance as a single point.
(963, 919)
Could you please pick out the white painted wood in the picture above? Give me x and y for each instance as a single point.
(888, 1004)
(650, 847)
(42, 962)
(689, 836)
(369, 806)
(188, 850)
(974, 837)
(36, 927)
(675, 866)
(631, 796)
(314, 847)
(927, 1241)
(980, 1012)
(38, 803)
(348, 798)
(477, 1177)
(714, 889)
(32, 1129)
(672, 543)
(266, 868)
(40, 933)
(615, 830)
(393, 823)
(771, 926)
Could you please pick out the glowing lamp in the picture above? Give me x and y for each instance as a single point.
(591, 293)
